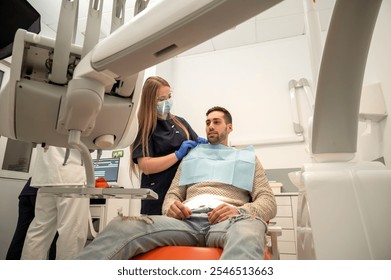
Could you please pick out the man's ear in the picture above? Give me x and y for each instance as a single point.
(229, 127)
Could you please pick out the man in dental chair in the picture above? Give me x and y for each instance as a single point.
(219, 197)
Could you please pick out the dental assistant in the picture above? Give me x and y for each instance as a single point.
(68, 216)
(162, 141)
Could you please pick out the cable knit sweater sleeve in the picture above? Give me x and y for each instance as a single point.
(175, 192)
(263, 202)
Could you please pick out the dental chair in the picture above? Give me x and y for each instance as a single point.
(343, 204)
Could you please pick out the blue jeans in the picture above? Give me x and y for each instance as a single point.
(241, 236)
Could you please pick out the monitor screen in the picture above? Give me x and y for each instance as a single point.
(107, 168)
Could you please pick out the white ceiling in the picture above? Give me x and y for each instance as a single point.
(282, 21)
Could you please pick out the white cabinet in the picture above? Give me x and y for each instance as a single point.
(286, 218)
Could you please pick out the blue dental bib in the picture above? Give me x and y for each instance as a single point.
(219, 163)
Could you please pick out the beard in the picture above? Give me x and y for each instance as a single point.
(217, 138)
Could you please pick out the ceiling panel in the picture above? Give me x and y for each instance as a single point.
(280, 28)
(284, 20)
(243, 34)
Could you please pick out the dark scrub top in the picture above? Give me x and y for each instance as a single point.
(166, 139)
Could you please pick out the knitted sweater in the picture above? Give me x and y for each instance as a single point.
(259, 202)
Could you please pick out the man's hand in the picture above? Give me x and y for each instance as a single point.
(221, 213)
(178, 211)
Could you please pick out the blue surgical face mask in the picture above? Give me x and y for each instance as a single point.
(164, 107)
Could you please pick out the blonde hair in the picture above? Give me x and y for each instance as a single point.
(147, 114)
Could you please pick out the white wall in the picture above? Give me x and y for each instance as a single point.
(252, 83)
(379, 70)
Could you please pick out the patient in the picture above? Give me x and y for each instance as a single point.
(219, 197)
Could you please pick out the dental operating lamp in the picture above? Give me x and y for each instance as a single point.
(63, 95)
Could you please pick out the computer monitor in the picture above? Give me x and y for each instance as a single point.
(107, 168)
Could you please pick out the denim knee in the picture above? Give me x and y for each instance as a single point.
(248, 224)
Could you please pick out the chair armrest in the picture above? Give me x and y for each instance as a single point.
(274, 231)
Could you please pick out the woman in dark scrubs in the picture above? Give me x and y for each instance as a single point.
(162, 141)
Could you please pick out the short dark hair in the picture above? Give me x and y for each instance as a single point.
(227, 114)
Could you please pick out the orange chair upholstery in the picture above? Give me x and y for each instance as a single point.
(187, 253)
(181, 253)
(207, 253)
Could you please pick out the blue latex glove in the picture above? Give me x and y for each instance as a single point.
(201, 140)
(185, 147)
